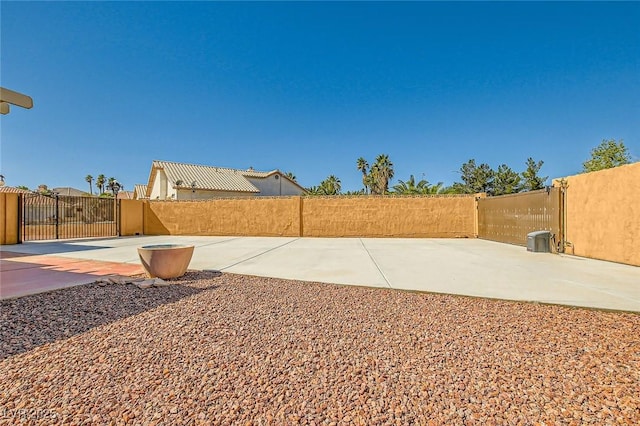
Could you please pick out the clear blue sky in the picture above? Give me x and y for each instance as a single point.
(310, 87)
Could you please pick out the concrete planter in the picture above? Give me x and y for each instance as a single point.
(165, 260)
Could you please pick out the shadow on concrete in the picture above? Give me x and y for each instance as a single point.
(56, 247)
(32, 321)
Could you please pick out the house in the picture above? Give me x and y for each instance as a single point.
(11, 189)
(72, 192)
(139, 192)
(37, 208)
(125, 195)
(180, 181)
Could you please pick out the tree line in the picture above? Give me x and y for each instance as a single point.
(102, 182)
(474, 178)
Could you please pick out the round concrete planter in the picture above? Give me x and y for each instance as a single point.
(165, 260)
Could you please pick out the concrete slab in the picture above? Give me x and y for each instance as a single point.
(338, 261)
(489, 269)
(457, 266)
(234, 251)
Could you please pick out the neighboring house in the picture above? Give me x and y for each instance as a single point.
(125, 195)
(66, 190)
(37, 208)
(139, 192)
(11, 189)
(180, 181)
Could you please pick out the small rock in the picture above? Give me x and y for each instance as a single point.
(145, 284)
(159, 282)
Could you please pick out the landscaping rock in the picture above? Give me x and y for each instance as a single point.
(232, 349)
(145, 284)
(159, 282)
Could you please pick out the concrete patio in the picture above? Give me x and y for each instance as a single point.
(456, 266)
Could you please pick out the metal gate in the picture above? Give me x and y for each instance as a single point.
(50, 217)
(509, 218)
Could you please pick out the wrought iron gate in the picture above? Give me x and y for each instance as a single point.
(50, 217)
(509, 218)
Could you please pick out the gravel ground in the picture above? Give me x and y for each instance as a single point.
(232, 349)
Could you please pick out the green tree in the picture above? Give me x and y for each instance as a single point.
(438, 188)
(530, 177)
(100, 181)
(44, 189)
(314, 190)
(331, 185)
(381, 173)
(114, 186)
(410, 187)
(89, 180)
(607, 155)
(291, 176)
(363, 166)
(26, 188)
(475, 178)
(506, 181)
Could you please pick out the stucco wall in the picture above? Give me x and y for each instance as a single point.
(603, 214)
(155, 188)
(249, 216)
(131, 217)
(200, 194)
(442, 216)
(270, 186)
(9, 225)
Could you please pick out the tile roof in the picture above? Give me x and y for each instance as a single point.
(125, 195)
(140, 191)
(67, 190)
(207, 177)
(14, 190)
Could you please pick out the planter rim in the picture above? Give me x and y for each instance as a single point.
(165, 246)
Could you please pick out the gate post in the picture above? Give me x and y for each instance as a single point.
(21, 199)
(563, 215)
(57, 215)
(117, 218)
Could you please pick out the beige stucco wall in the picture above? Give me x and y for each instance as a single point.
(270, 186)
(603, 214)
(200, 194)
(249, 216)
(9, 226)
(439, 216)
(156, 187)
(131, 217)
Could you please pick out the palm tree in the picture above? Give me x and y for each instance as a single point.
(382, 172)
(331, 185)
(111, 183)
(100, 183)
(363, 166)
(114, 186)
(438, 188)
(410, 187)
(89, 180)
(291, 176)
(314, 190)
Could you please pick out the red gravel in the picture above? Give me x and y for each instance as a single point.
(231, 349)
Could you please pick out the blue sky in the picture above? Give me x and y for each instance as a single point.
(310, 87)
